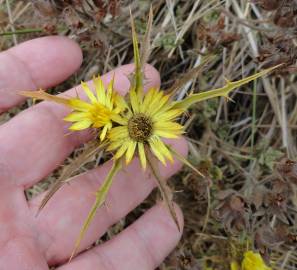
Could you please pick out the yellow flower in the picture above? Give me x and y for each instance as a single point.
(253, 261)
(95, 113)
(234, 265)
(143, 122)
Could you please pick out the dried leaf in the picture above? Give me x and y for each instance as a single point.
(100, 199)
(267, 236)
(69, 170)
(268, 5)
(223, 194)
(257, 197)
(41, 94)
(288, 170)
(233, 211)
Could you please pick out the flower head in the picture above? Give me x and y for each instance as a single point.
(253, 261)
(96, 112)
(144, 120)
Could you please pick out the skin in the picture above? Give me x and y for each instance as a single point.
(33, 144)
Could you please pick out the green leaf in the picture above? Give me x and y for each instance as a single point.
(269, 157)
(100, 199)
(223, 91)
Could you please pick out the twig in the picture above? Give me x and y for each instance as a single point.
(170, 6)
(11, 22)
(185, 89)
(254, 48)
(286, 259)
(284, 123)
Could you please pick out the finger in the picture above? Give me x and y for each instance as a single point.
(18, 245)
(34, 142)
(143, 245)
(60, 221)
(38, 63)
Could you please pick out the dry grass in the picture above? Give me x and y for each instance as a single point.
(236, 144)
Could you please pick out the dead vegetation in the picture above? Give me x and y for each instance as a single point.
(247, 148)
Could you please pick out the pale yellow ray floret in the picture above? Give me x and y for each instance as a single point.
(96, 112)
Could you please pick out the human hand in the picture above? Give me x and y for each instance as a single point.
(33, 144)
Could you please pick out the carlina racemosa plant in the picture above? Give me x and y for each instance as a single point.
(130, 126)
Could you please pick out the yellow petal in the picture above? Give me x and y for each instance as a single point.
(166, 134)
(155, 150)
(147, 100)
(99, 123)
(167, 126)
(81, 125)
(130, 151)
(116, 144)
(104, 131)
(89, 93)
(117, 133)
(142, 156)
(167, 115)
(121, 151)
(76, 116)
(120, 102)
(154, 106)
(79, 105)
(160, 104)
(108, 102)
(100, 90)
(118, 119)
(163, 149)
(134, 101)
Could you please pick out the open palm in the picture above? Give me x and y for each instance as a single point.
(33, 143)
